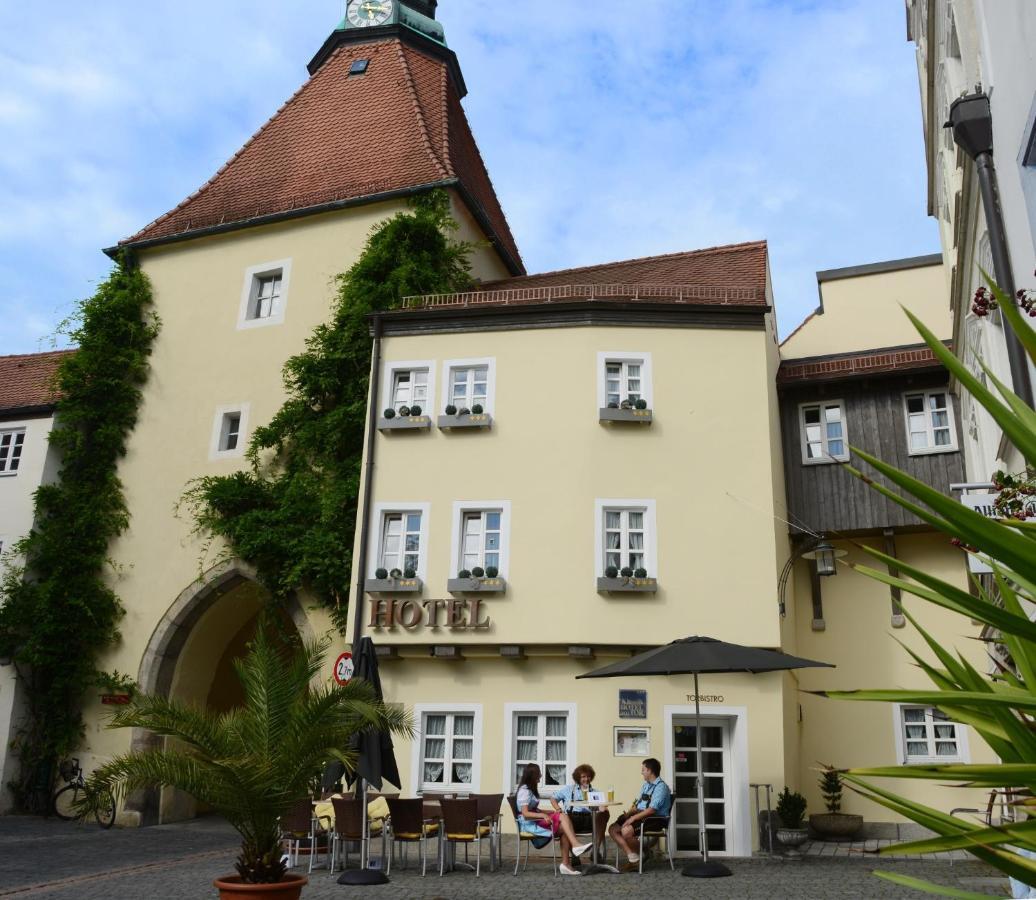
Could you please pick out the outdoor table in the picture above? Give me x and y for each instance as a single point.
(595, 806)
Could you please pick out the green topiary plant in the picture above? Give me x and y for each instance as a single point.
(492, 571)
(396, 573)
(463, 573)
(791, 809)
(611, 572)
(410, 572)
(476, 408)
(831, 787)
(478, 572)
(640, 573)
(451, 410)
(626, 572)
(389, 413)
(641, 404)
(381, 574)
(415, 410)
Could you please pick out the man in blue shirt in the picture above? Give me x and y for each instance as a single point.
(654, 799)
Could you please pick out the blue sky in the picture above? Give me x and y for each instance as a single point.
(611, 130)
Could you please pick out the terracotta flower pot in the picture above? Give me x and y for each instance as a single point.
(288, 888)
(836, 825)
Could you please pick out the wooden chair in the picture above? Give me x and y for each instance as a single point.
(489, 810)
(462, 825)
(524, 837)
(296, 825)
(349, 829)
(407, 825)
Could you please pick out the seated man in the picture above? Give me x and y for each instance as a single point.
(565, 800)
(655, 799)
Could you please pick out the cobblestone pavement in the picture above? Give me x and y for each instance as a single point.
(62, 861)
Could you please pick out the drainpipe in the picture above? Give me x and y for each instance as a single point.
(368, 479)
(972, 124)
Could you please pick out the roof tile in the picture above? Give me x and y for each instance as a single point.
(27, 381)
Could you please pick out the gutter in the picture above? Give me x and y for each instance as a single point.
(368, 482)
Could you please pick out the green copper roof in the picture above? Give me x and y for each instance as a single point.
(409, 18)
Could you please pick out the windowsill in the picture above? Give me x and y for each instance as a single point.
(630, 585)
(471, 420)
(476, 585)
(393, 585)
(405, 423)
(8, 474)
(935, 760)
(637, 416)
(261, 322)
(825, 461)
(933, 451)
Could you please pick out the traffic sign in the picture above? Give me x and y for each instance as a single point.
(344, 668)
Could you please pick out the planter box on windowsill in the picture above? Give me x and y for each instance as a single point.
(476, 585)
(404, 423)
(639, 416)
(630, 585)
(392, 585)
(471, 420)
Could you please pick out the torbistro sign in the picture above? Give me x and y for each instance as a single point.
(457, 614)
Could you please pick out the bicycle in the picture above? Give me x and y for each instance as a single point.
(65, 799)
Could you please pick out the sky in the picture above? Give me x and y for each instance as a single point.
(611, 130)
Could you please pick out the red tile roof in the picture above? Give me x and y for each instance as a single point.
(856, 365)
(26, 381)
(733, 274)
(344, 138)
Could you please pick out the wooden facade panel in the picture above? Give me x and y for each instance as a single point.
(828, 498)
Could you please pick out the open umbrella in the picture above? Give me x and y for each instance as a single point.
(375, 762)
(696, 656)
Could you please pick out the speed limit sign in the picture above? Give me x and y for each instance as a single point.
(344, 668)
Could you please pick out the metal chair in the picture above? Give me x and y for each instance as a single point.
(489, 810)
(524, 837)
(658, 827)
(409, 826)
(462, 825)
(348, 829)
(296, 825)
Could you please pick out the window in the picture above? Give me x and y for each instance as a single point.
(624, 538)
(12, 441)
(467, 382)
(481, 532)
(542, 738)
(410, 388)
(925, 735)
(400, 541)
(448, 747)
(823, 432)
(929, 422)
(623, 376)
(264, 294)
(229, 432)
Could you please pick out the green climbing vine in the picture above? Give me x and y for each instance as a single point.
(292, 513)
(59, 612)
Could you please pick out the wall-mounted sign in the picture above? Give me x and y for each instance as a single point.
(344, 668)
(632, 741)
(115, 699)
(705, 698)
(632, 704)
(458, 614)
(983, 503)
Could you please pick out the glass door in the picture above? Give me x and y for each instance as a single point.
(715, 752)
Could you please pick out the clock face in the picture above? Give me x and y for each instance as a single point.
(362, 13)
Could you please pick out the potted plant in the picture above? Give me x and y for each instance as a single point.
(640, 573)
(476, 409)
(389, 413)
(492, 571)
(478, 572)
(791, 810)
(450, 410)
(415, 410)
(611, 572)
(834, 823)
(381, 574)
(253, 764)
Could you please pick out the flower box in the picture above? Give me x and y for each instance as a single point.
(638, 416)
(476, 585)
(468, 420)
(629, 585)
(404, 423)
(392, 585)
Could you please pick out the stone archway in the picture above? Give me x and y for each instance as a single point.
(183, 655)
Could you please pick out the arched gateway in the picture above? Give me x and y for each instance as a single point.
(189, 657)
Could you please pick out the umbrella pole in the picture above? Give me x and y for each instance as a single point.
(703, 869)
(365, 843)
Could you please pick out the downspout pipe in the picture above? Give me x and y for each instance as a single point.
(972, 124)
(368, 481)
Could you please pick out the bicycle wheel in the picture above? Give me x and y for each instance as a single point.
(105, 812)
(64, 802)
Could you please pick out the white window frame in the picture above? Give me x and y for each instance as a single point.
(650, 532)
(217, 432)
(625, 356)
(417, 755)
(456, 543)
(447, 379)
(899, 730)
(378, 514)
(512, 711)
(826, 459)
(249, 290)
(951, 421)
(7, 472)
(388, 379)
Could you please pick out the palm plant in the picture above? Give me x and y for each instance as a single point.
(253, 763)
(1001, 708)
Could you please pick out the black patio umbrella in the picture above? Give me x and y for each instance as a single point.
(375, 762)
(698, 656)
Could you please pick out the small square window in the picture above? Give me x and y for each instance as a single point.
(12, 442)
(267, 296)
(623, 379)
(264, 294)
(358, 66)
(823, 432)
(929, 422)
(927, 735)
(229, 432)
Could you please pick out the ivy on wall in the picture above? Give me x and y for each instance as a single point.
(58, 611)
(292, 513)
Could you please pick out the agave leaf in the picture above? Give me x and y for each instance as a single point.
(1011, 698)
(929, 887)
(1018, 406)
(993, 774)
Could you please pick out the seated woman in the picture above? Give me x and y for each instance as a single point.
(544, 824)
(582, 817)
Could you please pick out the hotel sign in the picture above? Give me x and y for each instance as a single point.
(632, 704)
(413, 615)
(984, 503)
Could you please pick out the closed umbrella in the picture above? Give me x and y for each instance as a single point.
(375, 761)
(698, 656)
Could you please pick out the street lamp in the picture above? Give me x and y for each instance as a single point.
(825, 556)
